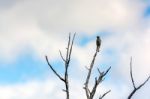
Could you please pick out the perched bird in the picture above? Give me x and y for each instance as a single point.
(98, 43)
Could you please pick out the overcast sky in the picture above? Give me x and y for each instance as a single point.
(31, 29)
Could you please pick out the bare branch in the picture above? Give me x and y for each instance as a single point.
(54, 70)
(90, 94)
(135, 88)
(88, 77)
(64, 90)
(101, 97)
(107, 71)
(68, 46)
(98, 81)
(62, 56)
(68, 57)
(67, 60)
(143, 83)
(87, 68)
(131, 75)
(99, 71)
(70, 51)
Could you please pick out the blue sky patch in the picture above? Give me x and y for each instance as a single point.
(84, 40)
(147, 12)
(26, 67)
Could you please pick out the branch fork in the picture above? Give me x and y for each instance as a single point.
(66, 62)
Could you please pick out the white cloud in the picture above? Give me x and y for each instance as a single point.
(42, 25)
(28, 90)
(52, 89)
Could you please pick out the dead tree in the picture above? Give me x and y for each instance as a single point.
(90, 93)
(135, 89)
(66, 62)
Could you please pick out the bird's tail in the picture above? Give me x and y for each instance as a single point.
(97, 49)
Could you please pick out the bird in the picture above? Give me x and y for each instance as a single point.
(98, 43)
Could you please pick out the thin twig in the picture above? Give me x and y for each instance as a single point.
(71, 46)
(131, 75)
(68, 46)
(107, 70)
(104, 94)
(54, 70)
(143, 83)
(62, 56)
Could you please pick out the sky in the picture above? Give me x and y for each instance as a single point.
(31, 29)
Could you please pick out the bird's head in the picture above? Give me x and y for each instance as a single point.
(97, 36)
